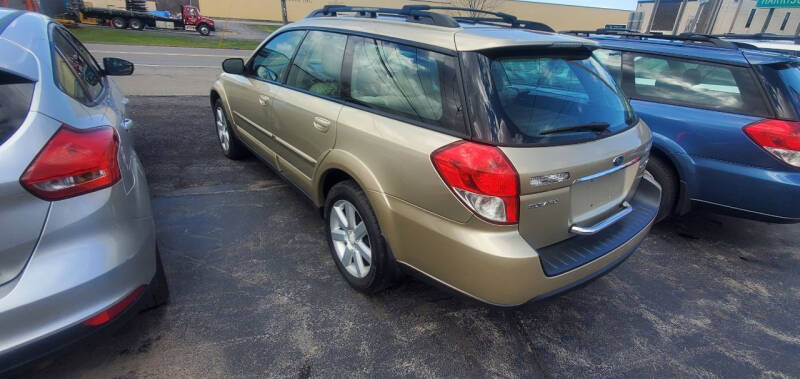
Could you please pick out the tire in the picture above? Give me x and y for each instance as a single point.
(203, 29)
(665, 175)
(160, 290)
(381, 270)
(119, 23)
(136, 24)
(233, 149)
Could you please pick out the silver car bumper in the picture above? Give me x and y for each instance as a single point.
(93, 251)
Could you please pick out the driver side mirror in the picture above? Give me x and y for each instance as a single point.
(233, 66)
(117, 67)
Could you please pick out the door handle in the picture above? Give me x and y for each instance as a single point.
(264, 99)
(322, 124)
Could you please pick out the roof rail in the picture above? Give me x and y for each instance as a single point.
(687, 37)
(411, 15)
(500, 17)
(761, 37)
(422, 14)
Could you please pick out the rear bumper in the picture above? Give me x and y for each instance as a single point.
(746, 191)
(495, 264)
(94, 250)
(18, 357)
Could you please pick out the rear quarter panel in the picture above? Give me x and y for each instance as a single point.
(388, 157)
(688, 135)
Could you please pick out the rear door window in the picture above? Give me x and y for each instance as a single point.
(16, 94)
(695, 84)
(271, 62)
(405, 81)
(317, 68)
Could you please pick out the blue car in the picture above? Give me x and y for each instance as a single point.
(724, 118)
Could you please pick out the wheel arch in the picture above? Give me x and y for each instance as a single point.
(339, 165)
(218, 92)
(674, 155)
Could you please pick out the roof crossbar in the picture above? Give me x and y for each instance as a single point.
(499, 17)
(411, 15)
(686, 37)
(423, 14)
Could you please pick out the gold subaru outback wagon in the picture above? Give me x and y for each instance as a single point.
(488, 154)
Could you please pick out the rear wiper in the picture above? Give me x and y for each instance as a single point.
(591, 127)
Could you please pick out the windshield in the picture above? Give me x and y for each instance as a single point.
(556, 98)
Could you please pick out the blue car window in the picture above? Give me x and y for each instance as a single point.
(695, 84)
(790, 76)
(612, 60)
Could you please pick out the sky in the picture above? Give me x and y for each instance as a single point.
(616, 4)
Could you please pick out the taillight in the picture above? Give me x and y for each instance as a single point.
(74, 162)
(482, 177)
(780, 138)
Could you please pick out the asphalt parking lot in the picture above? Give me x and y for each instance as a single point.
(255, 292)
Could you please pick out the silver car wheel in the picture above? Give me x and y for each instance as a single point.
(350, 239)
(222, 129)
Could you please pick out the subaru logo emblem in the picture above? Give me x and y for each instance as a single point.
(618, 161)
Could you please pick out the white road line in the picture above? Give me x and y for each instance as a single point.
(169, 65)
(159, 53)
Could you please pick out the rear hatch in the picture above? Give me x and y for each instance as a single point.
(22, 215)
(568, 130)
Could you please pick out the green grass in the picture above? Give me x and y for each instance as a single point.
(148, 38)
(267, 28)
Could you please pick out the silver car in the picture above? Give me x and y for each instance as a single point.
(77, 238)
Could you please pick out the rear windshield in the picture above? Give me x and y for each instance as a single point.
(16, 94)
(554, 98)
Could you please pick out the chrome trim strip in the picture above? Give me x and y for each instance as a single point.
(253, 124)
(607, 172)
(297, 151)
(285, 144)
(587, 231)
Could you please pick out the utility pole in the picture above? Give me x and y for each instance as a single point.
(284, 13)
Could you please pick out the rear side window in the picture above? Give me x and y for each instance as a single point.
(405, 81)
(16, 94)
(272, 61)
(783, 82)
(317, 67)
(86, 82)
(696, 84)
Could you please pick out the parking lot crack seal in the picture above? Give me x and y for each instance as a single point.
(200, 192)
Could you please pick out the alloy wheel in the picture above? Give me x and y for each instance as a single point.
(222, 129)
(350, 239)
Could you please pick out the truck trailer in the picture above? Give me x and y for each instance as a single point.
(134, 18)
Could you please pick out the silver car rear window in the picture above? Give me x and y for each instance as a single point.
(16, 93)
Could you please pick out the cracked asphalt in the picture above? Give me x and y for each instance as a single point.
(256, 294)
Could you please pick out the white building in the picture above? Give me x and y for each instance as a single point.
(717, 16)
